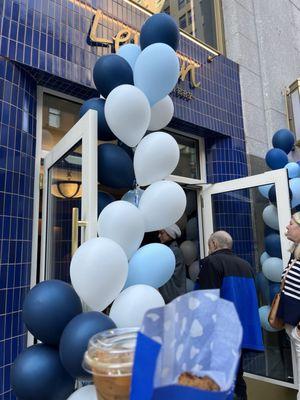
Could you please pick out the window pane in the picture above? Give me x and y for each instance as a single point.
(181, 4)
(59, 116)
(182, 22)
(205, 27)
(203, 14)
(188, 165)
(65, 191)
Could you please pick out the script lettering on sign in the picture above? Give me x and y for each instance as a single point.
(127, 35)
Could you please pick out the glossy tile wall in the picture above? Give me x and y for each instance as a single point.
(46, 42)
(17, 158)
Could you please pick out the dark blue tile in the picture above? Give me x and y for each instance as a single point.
(13, 30)
(27, 55)
(4, 46)
(36, 39)
(8, 9)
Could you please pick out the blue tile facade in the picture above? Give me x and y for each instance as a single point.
(17, 160)
(45, 42)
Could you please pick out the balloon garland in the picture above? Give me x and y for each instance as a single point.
(268, 281)
(134, 86)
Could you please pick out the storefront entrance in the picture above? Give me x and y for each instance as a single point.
(70, 218)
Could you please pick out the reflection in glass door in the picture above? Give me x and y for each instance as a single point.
(239, 212)
(70, 182)
(65, 191)
(237, 206)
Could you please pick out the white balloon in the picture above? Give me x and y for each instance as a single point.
(130, 306)
(272, 269)
(189, 250)
(270, 217)
(194, 270)
(162, 204)
(122, 222)
(98, 271)
(155, 158)
(85, 393)
(161, 114)
(127, 112)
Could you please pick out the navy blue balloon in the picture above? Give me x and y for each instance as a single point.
(37, 373)
(283, 139)
(262, 285)
(274, 289)
(111, 71)
(272, 195)
(128, 149)
(115, 167)
(104, 133)
(75, 338)
(272, 245)
(276, 158)
(48, 308)
(160, 28)
(269, 230)
(104, 199)
(295, 209)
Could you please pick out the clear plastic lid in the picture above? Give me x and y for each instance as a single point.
(111, 352)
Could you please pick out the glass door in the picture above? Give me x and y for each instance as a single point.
(237, 207)
(69, 197)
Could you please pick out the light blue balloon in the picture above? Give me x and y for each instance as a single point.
(270, 217)
(264, 257)
(133, 196)
(295, 188)
(264, 190)
(293, 170)
(130, 53)
(272, 269)
(263, 288)
(263, 316)
(156, 71)
(152, 265)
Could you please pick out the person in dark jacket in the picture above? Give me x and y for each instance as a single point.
(224, 270)
(176, 286)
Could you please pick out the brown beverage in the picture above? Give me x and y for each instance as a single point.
(110, 359)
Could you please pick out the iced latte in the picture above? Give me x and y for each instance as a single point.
(109, 358)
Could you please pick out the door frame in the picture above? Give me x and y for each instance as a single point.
(85, 130)
(280, 179)
(39, 155)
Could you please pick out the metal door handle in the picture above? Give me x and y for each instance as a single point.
(75, 225)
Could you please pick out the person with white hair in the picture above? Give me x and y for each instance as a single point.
(224, 270)
(176, 286)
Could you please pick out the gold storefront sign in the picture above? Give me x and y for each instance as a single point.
(129, 35)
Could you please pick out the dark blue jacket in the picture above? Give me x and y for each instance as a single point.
(234, 277)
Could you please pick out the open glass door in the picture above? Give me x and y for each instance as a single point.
(69, 197)
(237, 206)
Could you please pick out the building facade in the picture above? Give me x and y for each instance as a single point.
(47, 52)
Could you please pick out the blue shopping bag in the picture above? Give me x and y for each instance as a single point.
(198, 333)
